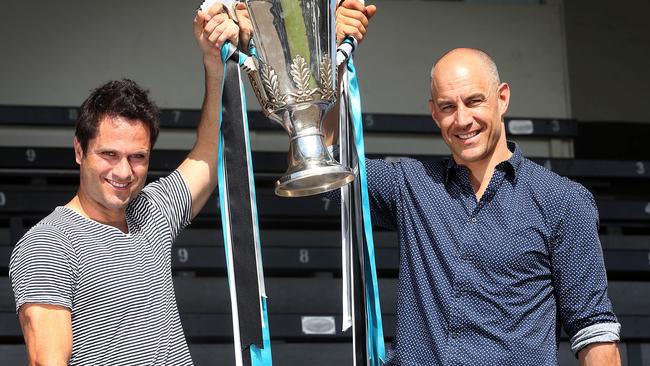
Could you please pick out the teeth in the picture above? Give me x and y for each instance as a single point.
(116, 184)
(469, 135)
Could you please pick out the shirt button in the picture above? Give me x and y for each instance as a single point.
(473, 220)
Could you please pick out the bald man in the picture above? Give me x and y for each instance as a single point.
(496, 252)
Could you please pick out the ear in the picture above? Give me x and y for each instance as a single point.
(78, 151)
(432, 109)
(503, 93)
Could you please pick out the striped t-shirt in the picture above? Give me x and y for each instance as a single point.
(118, 286)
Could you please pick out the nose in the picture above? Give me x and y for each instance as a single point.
(463, 116)
(122, 170)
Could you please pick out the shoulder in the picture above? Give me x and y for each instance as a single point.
(161, 191)
(171, 184)
(54, 226)
(411, 165)
(541, 175)
(424, 173)
(408, 178)
(544, 181)
(52, 231)
(46, 242)
(557, 193)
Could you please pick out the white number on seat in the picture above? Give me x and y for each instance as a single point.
(304, 256)
(30, 154)
(183, 255)
(640, 168)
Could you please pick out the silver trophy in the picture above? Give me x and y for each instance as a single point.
(294, 80)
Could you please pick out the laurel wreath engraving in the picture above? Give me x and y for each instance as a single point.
(300, 73)
(326, 80)
(272, 87)
(272, 98)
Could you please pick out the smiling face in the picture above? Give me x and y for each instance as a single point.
(114, 167)
(468, 104)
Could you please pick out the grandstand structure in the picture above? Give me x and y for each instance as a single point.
(300, 236)
(579, 79)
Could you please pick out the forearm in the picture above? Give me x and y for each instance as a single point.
(42, 351)
(212, 28)
(47, 331)
(600, 354)
(200, 168)
(352, 19)
(208, 129)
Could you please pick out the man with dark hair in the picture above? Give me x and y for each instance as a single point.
(122, 98)
(92, 280)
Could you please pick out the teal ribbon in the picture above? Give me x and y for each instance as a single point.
(259, 356)
(262, 356)
(221, 172)
(375, 332)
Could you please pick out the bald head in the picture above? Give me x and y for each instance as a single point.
(467, 59)
(468, 103)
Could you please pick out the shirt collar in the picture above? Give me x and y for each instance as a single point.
(511, 166)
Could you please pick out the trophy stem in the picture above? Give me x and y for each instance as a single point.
(312, 170)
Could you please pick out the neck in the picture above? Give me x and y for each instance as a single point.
(99, 214)
(481, 171)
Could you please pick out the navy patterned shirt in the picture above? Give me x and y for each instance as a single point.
(489, 282)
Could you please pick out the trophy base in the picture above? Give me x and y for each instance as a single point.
(313, 181)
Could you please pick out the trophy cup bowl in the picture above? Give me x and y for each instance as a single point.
(294, 50)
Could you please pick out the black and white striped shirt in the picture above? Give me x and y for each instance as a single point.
(118, 286)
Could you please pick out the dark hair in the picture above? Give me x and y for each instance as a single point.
(117, 98)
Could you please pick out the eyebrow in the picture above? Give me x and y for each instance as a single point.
(102, 149)
(475, 96)
(143, 152)
(441, 101)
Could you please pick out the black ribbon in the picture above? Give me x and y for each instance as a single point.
(240, 210)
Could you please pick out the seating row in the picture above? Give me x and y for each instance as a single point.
(273, 161)
(42, 199)
(310, 308)
(325, 354)
(186, 118)
(308, 251)
(309, 259)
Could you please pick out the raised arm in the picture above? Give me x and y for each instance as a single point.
(47, 330)
(352, 19)
(211, 30)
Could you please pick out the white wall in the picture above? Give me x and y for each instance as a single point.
(54, 53)
(406, 37)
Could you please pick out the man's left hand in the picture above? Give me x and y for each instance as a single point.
(212, 28)
(352, 18)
